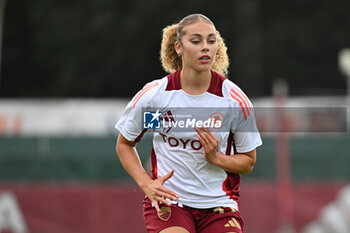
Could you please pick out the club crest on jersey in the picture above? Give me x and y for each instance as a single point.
(218, 120)
(164, 213)
(151, 120)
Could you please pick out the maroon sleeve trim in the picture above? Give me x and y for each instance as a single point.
(140, 136)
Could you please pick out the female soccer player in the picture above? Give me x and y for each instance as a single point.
(194, 183)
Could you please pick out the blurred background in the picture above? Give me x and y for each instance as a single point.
(68, 69)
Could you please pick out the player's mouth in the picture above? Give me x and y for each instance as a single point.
(205, 59)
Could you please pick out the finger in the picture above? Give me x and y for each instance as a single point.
(199, 131)
(212, 136)
(208, 142)
(212, 139)
(167, 176)
(168, 194)
(162, 200)
(201, 140)
(205, 129)
(202, 129)
(208, 136)
(204, 137)
(199, 137)
(155, 203)
(205, 141)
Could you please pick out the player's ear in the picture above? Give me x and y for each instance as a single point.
(178, 48)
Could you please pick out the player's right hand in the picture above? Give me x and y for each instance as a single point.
(156, 192)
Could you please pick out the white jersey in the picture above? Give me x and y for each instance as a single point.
(198, 183)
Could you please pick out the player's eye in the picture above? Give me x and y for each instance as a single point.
(212, 41)
(195, 41)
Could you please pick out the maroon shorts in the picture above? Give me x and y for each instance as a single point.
(218, 220)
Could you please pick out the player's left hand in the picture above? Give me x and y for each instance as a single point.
(209, 143)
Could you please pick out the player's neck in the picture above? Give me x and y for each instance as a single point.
(195, 83)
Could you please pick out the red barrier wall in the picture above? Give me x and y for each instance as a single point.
(116, 208)
(79, 208)
(260, 210)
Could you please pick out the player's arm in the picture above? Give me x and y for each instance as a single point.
(242, 163)
(130, 160)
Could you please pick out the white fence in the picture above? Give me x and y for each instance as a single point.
(97, 117)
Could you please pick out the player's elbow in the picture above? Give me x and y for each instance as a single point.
(248, 168)
(249, 162)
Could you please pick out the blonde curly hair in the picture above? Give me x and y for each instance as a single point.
(171, 62)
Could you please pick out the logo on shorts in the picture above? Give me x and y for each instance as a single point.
(164, 213)
(151, 120)
(233, 223)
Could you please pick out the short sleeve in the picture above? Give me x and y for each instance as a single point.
(246, 134)
(130, 124)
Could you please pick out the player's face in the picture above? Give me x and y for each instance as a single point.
(199, 46)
